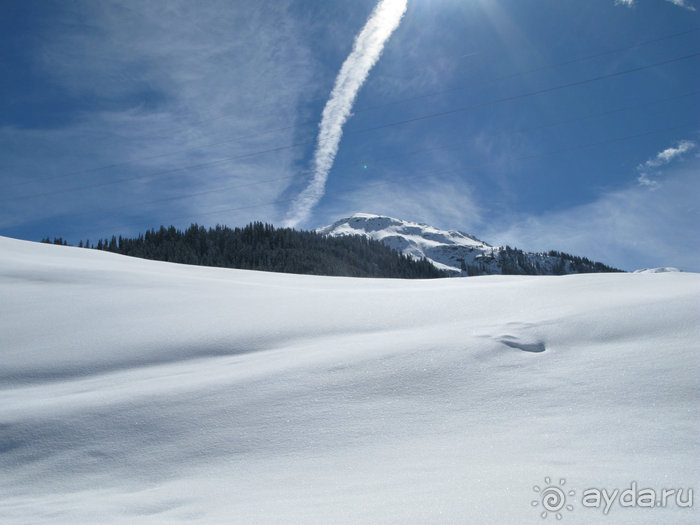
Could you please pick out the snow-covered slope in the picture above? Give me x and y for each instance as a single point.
(444, 249)
(658, 270)
(135, 391)
(456, 252)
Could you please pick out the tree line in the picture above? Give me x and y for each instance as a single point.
(261, 246)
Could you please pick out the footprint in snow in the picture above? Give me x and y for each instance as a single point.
(513, 342)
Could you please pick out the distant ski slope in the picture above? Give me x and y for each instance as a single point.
(135, 391)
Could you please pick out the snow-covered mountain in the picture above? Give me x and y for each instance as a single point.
(457, 252)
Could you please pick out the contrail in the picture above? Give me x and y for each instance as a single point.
(366, 50)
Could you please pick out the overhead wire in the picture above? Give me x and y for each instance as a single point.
(412, 153)
(356, 111)
(364, 130)
(403, 179)
(451, 170)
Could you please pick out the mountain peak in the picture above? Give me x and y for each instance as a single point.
(365, 222)
(454, 251)
(444, 248)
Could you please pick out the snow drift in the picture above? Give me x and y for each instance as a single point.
(136, 391)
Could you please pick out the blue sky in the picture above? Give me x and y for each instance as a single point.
(121, 116)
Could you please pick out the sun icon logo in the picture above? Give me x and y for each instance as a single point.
(552, 498)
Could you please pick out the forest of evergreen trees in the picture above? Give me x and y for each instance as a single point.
(514, 261)
(261, 246)
(575, 264)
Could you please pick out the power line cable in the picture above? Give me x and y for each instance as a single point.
(504, 77)
(546, 154)
(535, 70)
(363, 130)
(454, 170)
(400, 155)
(356, 111)
(433, 174)
(524, 95)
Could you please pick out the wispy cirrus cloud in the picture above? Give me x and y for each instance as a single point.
(646, 177)
(679, 3)
(152, 89)
(682, 3)
(669, 154)
(366, 51)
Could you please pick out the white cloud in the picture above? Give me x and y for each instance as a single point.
(669, 154)
(682, 3)
(661, 159)
(367, 49)
(679, 3)
(644, 180)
